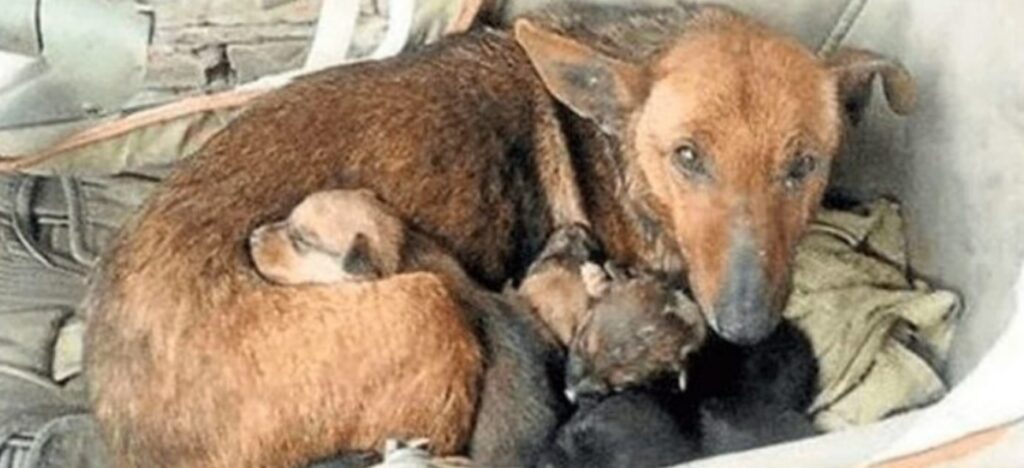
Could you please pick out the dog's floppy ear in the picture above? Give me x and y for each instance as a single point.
(592, 84)
(855, 70)
(358, 261)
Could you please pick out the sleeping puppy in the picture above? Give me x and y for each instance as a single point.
(350, 235)
(626, 369)
(752, 396)
(632, 428)
(336, 235)
(636, 331)
(737, 397)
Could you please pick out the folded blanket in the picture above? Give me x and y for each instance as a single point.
(878, 335)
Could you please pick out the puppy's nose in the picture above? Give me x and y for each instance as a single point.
(257, 235)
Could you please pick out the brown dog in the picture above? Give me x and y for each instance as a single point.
(726, 133)
(691, 130)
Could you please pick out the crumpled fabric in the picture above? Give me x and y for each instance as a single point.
(51, 230)
(414, 454)
(879, 335)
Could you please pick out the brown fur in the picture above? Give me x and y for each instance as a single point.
(217, 410)
(195, 360)
(554, 288)
(752, 105)
(184, 335)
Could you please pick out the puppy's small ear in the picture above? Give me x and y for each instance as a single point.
(592, 84)
(358, 260)
(855, 70)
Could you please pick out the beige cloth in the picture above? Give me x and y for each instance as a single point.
(878, 335)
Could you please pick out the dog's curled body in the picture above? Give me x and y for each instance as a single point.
(194, 360)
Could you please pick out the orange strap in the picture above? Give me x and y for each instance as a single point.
(164, 113)
(957, 449)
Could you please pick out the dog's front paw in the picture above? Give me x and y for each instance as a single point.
(572, 244)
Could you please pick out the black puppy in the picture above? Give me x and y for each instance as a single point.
(753, 396)
(633, 428)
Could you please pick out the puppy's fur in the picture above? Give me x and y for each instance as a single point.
(749, 397)
(637, 331)
(632, 428)
(336, 235)
(739, 398)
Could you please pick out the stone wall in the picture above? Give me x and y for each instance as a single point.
(209, 45)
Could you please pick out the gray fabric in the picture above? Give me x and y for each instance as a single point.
(93, 60)
(51, 231)
(71, 441)
(28, 336)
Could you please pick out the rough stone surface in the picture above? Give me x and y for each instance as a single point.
(253, 61)
(200, 46)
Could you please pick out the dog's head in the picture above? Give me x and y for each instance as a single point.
(728, 131)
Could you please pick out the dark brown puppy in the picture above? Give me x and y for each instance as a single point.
(715, 140)
(636, 332)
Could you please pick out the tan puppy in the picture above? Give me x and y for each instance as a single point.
(335, 235)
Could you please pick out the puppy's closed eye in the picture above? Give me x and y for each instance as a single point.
(300, 242)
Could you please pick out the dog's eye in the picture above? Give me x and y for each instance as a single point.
(798, 170)
(299, 241)
(688, 160)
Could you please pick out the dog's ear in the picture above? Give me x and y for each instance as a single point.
(592, 84)
(855, 70)
(358, 260)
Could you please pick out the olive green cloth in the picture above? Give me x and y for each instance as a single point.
(879, 335)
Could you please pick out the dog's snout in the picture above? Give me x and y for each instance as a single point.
(746, 310)
(745, 325)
